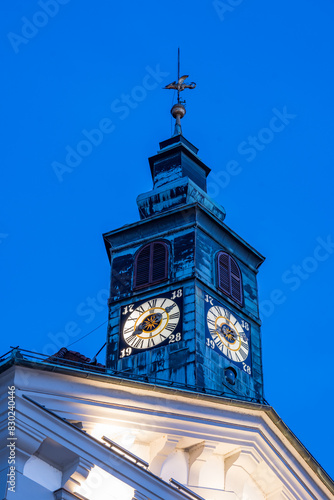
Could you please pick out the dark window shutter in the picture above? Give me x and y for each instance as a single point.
(235, 282)
(224, 273)
(159, 262)
(229, 277)
(151, 264)
(143, 266)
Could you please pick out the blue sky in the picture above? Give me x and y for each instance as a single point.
(262, 118)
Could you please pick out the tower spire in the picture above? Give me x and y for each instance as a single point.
(178, 73)
(178, 110)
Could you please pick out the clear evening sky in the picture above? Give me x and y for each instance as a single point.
(82, 107)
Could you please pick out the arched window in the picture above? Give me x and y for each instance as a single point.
(151, 264)
(229, 277)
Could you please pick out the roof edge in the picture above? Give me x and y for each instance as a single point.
(267, 409)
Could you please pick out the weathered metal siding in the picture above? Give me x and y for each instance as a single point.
(212, 374)
(171, 363)
(167, 170)
(121, 275)
(210, 365)
(181, 191)
(211, 238)
(181, 262)
(194, 172)
(174, 362)
(206, 269)
(175, 160)
(194, 238)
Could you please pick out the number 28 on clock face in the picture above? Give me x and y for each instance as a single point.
(228, 334)
(151, 323)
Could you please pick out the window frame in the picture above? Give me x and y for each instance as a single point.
(151, 281)
(230, 274)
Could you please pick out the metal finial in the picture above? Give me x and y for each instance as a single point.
(178, 110)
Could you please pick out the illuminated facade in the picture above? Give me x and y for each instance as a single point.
(217, 447)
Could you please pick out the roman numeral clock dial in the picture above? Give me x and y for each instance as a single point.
(228, 334)
(151, 323)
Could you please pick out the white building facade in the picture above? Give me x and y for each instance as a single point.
(217, 448)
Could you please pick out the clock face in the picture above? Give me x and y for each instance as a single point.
(151, 323)
(228, 334)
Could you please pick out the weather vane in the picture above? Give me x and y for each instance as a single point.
(178, 110)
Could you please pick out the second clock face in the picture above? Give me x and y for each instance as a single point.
(150, 323)
(228, 334)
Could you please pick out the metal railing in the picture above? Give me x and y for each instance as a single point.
(20, 356)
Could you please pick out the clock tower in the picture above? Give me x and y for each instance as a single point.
(178, 411)
(183, 307)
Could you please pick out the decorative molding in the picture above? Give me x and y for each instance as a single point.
(139, 496)
(63, 494)
(198, 456)
(76, 473)
(160, 449)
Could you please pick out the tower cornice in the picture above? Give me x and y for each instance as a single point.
(118, 235)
